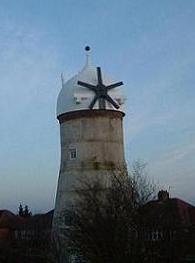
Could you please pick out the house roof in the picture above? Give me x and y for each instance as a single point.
(43, 221)
(170, 212)
(12, 221)
(9, 219)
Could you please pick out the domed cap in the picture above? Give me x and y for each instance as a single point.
(89, 89)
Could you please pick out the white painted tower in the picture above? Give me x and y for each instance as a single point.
(90, 113)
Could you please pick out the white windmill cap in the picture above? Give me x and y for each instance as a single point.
(74, 97)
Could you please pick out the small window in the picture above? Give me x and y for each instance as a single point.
(72, 153)
(156, 235)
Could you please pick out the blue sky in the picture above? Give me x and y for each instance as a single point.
(150, 45)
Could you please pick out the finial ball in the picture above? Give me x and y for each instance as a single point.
(87, 48)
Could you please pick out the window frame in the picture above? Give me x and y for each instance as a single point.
(72, 153)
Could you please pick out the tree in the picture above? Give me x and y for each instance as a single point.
(27, 212)
(24, 212)
(20, 210)
(106, 221)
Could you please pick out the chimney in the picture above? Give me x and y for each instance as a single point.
(163, 195)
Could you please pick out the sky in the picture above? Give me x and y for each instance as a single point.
(149, 45)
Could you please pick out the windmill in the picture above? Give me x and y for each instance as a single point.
(101, 91)
(86, 135)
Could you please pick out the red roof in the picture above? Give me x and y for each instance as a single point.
(12, 221)
(172, 211)
(9, 220)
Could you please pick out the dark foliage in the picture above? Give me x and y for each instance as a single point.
(105, 225)
(24, 212)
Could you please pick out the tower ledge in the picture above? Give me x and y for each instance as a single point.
(90, 114)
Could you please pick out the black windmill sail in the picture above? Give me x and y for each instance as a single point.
(101, 91)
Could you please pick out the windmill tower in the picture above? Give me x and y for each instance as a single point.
(90, 114)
